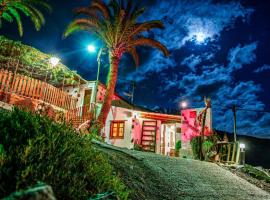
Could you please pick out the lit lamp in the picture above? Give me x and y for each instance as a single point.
(183, 104)
(53, 61)
(91, 48)
(242, 154)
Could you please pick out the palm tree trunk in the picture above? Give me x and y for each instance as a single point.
(106, 106)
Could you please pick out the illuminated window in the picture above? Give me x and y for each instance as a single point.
(117, 130)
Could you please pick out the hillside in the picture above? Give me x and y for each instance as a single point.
(152, 176)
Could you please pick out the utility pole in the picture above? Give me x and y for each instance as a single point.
(234, 122)
(133, 89)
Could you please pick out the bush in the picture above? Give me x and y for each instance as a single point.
(207, 146)
(256, 173)
(178, 145)
(37, 149)
(195, 145)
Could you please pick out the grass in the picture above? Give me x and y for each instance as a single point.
(256, 173)
(35, 149)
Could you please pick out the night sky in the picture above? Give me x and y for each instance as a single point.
(218, 49)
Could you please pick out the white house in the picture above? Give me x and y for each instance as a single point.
(128, 125)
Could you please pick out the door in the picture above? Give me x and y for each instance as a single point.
(86, 102)
(162, 140)
(87, 97)
(148, 142)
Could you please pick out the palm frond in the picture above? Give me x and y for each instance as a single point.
(146, 26)
(39, 3)
(97, 4)
(29, 8)
(133, 52)
(86, 11)
(151, 43)
(7, 17)
(75, 25)
(17, 17)
(136, 13)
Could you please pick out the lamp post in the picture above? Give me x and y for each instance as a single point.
(242, 154)
(92, 49)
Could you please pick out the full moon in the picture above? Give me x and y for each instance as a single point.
(200, 37)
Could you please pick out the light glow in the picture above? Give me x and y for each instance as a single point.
(200, 37)
(91, 48)
(54, 61)
(242, 146)
(183, 104)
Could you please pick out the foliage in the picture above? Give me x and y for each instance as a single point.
(10, 10)
(38, 149)
(195, 145)
(256, 173)
(116, 24)
(207, 145)
(178, 145)
(138, 147)
(32, 62)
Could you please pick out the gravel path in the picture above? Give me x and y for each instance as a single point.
(176, 178)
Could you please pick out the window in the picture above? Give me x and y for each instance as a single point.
(117, 130)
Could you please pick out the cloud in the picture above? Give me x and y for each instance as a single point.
(192, 61)
(184, 20)
(262, 69)
(207, 71)
(242, 55)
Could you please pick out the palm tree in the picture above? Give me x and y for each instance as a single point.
(116, 25)
(10, 10)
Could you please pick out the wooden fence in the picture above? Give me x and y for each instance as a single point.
(25, 86)
(229, 152)
(80, 115)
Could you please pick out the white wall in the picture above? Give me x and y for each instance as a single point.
(117, 113)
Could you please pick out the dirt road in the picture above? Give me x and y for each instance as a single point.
(152, 176)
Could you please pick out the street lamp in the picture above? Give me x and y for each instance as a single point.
(53, 62)
(92, 49)
(184, 104)
(242, 153)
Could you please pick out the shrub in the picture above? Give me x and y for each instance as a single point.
(178, 145)
(256, 173)
(38, 149)
(207, 145)
(195, 145)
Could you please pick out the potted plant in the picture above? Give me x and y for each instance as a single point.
(178, 146)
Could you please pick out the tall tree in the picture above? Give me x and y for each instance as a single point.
(11, 9)
(116, 25)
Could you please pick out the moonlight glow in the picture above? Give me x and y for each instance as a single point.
(200, 37)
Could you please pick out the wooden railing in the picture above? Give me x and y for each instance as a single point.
(79, 115)
(25, 86)
(229, 152)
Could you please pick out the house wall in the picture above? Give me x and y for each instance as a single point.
(123, 114)
(79, 91)
(133, 120)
